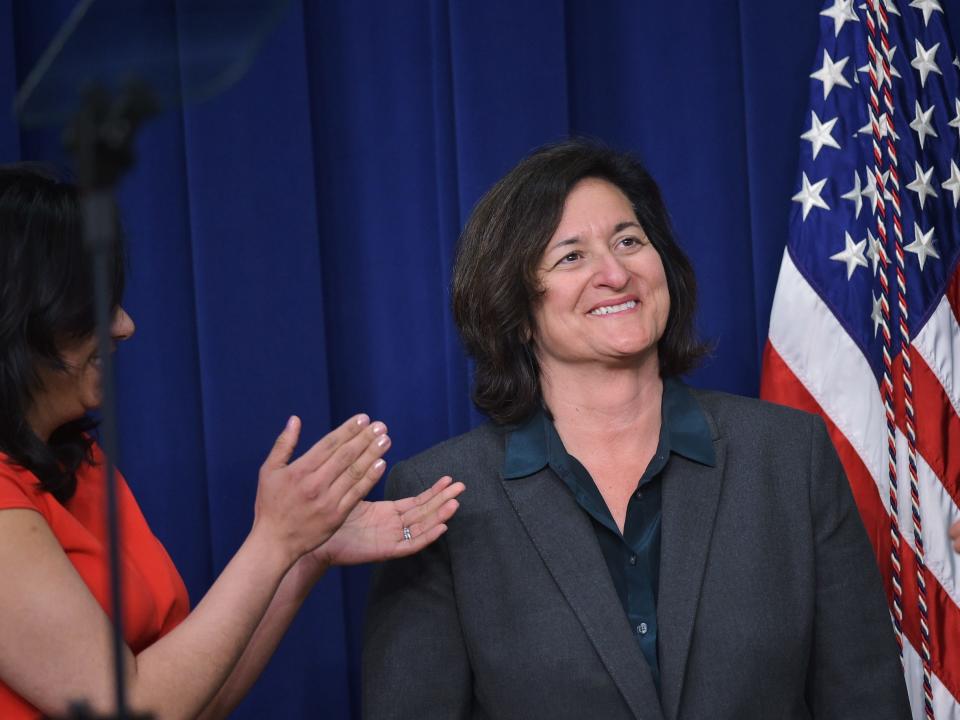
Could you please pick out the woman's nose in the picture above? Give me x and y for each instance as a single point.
(122, 327)
(610, 271)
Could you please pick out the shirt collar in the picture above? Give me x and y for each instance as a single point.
(684, 426)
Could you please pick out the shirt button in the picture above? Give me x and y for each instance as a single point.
(642, 628)
(633, 559)
(639, 494)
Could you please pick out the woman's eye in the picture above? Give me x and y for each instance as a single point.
(630, 242)
(569, 258)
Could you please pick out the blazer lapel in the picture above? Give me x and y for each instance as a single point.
(565, 539)
(691, 493)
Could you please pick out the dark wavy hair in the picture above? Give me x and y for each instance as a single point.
(46, 302)
(495, 284)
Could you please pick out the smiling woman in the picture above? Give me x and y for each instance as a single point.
(604, 289)
(309, 511)
(630, 547)
(516, 236)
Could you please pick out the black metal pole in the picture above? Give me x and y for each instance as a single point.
(101, 139)
(100, 222)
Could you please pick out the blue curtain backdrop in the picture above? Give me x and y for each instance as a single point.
(291, 240)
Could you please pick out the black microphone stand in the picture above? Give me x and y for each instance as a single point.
(100, 39)
(101, 137)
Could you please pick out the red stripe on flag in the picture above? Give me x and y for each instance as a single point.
(779, 384)
(936, 423)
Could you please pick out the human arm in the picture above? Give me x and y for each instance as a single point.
(56, 637)
(415, 662)
(854, 670)
(373, 531)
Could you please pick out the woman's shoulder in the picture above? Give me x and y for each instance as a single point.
(19, 488)
(731, 416)
(474, 455)
(484, 442)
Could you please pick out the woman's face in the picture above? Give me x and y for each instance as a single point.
(605, 291)
(66, 395)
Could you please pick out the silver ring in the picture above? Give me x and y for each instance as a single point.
(407, 535)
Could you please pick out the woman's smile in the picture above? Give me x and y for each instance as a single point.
(615, 308)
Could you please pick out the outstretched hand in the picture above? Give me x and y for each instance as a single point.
(375, 530)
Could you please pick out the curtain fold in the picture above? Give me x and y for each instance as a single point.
(9, 137)
(775, 99)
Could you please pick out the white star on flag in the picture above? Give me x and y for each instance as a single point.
(852, 254)
(921, 123)
(831, 74)
(955, 123)
(841, 12)
(809, 196)
(855, 194)
(893, 70)
(877, 314)
(921, 184)
(924, 62)
(819, 134)
(874, 251)
(928, 7)
(923, 245)
(884, 125)
(870, 188)
(953, 184)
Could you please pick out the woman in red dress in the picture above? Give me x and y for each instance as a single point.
(309, 512)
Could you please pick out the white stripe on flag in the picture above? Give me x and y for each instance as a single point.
(938, 343)
(944, 705)
(808, 337)
(844, 387)
(935, 502)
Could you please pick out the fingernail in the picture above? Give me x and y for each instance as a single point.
(378, 428)
(291, 422)
(379, 464)
(383, 442)
(362, 419)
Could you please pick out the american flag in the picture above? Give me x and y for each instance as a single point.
(864, 328)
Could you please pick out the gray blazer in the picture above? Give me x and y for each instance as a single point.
(770, 603)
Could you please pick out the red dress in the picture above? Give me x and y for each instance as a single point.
(154, 597)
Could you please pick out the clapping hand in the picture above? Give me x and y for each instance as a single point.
(301, 504)
(314, 505)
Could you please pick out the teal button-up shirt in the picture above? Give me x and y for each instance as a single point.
(633, 557)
